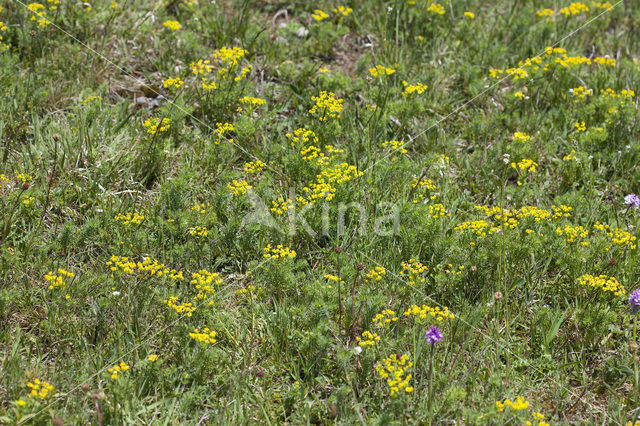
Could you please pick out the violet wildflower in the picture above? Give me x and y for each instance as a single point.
(435, 335)
(632, 200)
(634, 301)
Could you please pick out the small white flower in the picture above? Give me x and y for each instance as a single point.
(358, 350)
(116, 293)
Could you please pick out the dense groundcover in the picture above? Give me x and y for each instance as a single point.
(370, 212)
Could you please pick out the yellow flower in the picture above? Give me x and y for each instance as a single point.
(545, 13)
(436, 8)
(341, 10)
(470, 15)
(152, 358)
(410, 89)
(278, 253)
(238, 187)
(155, 125)
(521, 137)
(326, 105)
(207, 336)
(380, 70)
(319, 15)
(172, 83)
(172, 25)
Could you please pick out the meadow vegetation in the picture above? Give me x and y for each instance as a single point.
(370, 212)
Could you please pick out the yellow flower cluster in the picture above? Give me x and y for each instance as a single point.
(201, 67)
(423, 311)
(469, 15)
(574, 9)
(129, 218)
(451, 270)
(315, 155)
(395, 146)
(39, 14)
(172, 25)
(502, 218)
(205, 278)
(436, 8)
(385, 318)
(90, 99)
(230, 56)
(368, 339)
(22, 177)
(326, 105)
(319, 15)
(228, 59)
(280, 206)
(604, 5)
(519, 404)
(573, 233)
(223, 129)
(613, 94)
(198, 231)
(324, 187)
(410, 89)
(148, 267)
(545, 13)
(172, 83)
(342, 11)
(117, 369)
(423, 186)
(201, 208)
(39, 389)
(521, 137)
(394, 371)
(580, 93)
(479, 227)
(376, 274)
(154, 125)
(580, 126)
(415, 271)
(525, 165)
(254, 166)
(57, 279)
(380, 70)
(206, 336)
(238, 187)
(552, 56)
(617, 236)
(27, 200)
(333, 278)
(248, 100)
(303, 136)
(250, 290)
(603, 282)
(438, 210)
(186, 308)
(3, 28)
(278, 252)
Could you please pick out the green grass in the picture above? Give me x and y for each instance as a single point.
(498, 231)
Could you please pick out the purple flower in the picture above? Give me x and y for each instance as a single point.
(435, 335)
(632, 200)
(634, 301)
